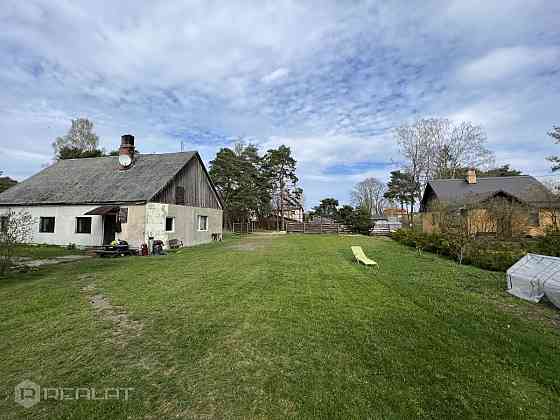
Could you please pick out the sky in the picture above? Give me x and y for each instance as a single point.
(330, 79)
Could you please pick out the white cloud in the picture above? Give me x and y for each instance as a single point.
(275, 75)
(329, 81)
(325, 151)
(503, 63)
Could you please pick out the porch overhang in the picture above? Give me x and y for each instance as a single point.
(104, 211)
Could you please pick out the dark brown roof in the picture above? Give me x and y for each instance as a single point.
(98, 180)
(524, 187)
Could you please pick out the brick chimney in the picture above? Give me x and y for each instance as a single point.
(471, 176)
(126, 151)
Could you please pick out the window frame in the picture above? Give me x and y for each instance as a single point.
(41, 224)
(78, 224)
(199, 219)
(172, 224)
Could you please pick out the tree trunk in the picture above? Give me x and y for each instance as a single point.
(282, 205)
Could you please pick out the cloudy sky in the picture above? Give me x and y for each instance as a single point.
(329, 79)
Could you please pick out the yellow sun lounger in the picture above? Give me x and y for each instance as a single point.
(361, 257)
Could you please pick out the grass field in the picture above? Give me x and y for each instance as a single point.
(278, 327)
(44, 251)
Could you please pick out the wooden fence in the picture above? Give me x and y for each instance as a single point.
(316, 228)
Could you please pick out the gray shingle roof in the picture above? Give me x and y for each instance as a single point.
(524, 187)
(98, 180)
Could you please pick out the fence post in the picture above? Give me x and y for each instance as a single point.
(321, 226)
(303, 227)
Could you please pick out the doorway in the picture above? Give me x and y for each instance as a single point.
(109, 228)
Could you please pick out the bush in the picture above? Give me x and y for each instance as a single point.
(488, 254)
(547, 245)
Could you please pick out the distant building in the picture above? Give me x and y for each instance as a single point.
(293, 208)
(395, 212)
(473, 194)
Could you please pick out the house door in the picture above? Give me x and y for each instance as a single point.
(109, 228)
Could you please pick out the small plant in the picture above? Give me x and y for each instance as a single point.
(71, 246)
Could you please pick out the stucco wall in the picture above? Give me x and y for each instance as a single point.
(65, 225)
(143, 221)
(133, 231)
(185, 223)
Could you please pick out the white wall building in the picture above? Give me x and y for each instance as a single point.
(133, 197)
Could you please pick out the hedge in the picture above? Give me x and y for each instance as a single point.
(489, 254)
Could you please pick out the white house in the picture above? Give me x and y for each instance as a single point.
(133, 197)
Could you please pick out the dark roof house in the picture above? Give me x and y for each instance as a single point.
(99, 180)
(462, 191)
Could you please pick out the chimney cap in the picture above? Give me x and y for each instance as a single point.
(127, 139)
(471, 176)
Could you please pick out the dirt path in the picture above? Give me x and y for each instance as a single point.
(124, 328)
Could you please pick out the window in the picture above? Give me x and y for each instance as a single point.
(180, 196)
(122, 217)
(534, 217)
(83, 224)
(203, 223)
(169, 224)
(46, 225)
(4, 222)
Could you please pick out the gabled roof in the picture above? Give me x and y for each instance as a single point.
(98, 180)
(524, 187)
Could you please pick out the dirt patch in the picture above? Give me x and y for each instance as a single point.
(123, 328)
(244, 247)
(543, 311)
(34, 263)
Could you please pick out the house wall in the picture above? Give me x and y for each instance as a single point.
(65, 225)
(480, 222)
(134, 230)
(143, 221)
(185, 224)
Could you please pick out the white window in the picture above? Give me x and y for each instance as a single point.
(203, 223)
(169, 224)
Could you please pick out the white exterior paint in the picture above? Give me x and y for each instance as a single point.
(144, 221)
(65, 225)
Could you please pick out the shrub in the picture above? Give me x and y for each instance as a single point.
(488, 254)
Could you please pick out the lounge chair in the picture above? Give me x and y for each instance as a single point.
(361, 257)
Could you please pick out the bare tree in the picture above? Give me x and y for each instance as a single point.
(463, 146)
(555, 134)
(550, 212)
(15, 229)
(370, 195)
(80, 141)
(435, 148)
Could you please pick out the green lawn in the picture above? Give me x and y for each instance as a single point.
(44, 251)
(284, 327)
